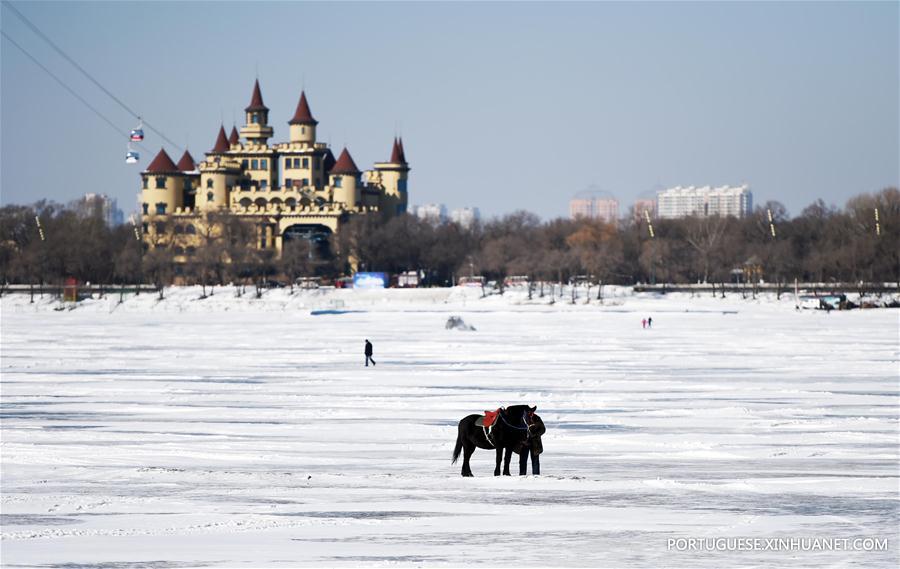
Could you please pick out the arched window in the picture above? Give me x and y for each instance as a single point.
(179, 229)
(190, 230)
(260, 202)
(209, 183)
(160, 182)
(291, 203)
(245, 202)
(210, 196)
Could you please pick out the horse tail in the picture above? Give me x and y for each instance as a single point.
(459, 446)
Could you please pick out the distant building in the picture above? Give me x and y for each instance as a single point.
(465, 217)
(102, 205)
(436, 213)
(603, 208)
(581, 207)
(705, 201)
(644, 205)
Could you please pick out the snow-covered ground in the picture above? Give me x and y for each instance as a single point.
(243, 432)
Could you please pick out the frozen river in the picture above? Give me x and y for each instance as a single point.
(231, 434)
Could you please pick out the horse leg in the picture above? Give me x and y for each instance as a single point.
(523, 462)
(506, 460)
(499, 459)
(468, 449)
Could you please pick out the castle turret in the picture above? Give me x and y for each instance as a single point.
(257, 129)
(222, 146)
(234, 138)
(393, 175)
(163, 187)
(344, 178)
(303, 125)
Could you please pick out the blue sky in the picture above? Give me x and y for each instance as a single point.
(501, 106)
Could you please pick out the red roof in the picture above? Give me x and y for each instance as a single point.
(234, 137)
(402, 152)
(345, 164)
(395, 153)
(221, 142)
(187, 163)
(303, 115)
(162, 164)
(256, 102)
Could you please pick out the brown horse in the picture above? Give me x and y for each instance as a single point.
(509, 432)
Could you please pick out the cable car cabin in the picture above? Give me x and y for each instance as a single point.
(132, 157)
(137, 134)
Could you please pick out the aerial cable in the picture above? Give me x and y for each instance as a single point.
(90, 77)
(69, 89)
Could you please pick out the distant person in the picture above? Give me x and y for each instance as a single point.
(531, 447)
(644, 323)
(369, 353)
(650, 322)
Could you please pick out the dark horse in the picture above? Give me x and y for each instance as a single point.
(511, 428)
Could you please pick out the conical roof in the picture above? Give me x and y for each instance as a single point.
(303, 115)
(402, 152)
(187, 163)
(256, 102)
(345, 164)
(221, 142)
(234, 137)
(162, 164)
(396, 154)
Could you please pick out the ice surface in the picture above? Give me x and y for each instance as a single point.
(246, 432)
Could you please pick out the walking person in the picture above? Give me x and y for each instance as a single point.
(644, 323)
(650, 322)
(369, 353)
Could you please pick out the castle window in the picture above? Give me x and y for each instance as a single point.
(244, 164)
(210, 196)
(254, 164)
(296, 162)
(178, 229)
(190, 230)
(160, 182)
(264, 164)
(245, 185)
(304, 182)
(337, 181)
(160, 208)
(179, 250)
(254, 118)
(287, 163)
(263, 184)
(288, 183)
(209, 183)
(144, 227)
(160, 228)
(146, 183)
(146, 207)
(306, 162)
(302, 130)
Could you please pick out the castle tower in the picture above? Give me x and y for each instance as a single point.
(393, 176)
(222, 146)
(257, 129)
(345, 180)
(234, 138)
(163, 189)
(303, 125)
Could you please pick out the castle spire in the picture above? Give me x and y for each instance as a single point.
(256, 101)
(402, 152)
(162, 164)
(396, 154)
(303, 115)
(234, 138)
(187, 163)
(221, 142)
(345, 165)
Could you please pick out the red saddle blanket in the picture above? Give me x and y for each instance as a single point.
(490, 417)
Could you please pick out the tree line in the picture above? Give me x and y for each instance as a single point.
(48, 242)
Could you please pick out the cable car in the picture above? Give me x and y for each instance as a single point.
(137, 134)
(132, 157)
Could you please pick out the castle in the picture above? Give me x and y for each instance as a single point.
(287, 190)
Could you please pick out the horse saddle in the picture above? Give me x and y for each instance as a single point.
(488, 419)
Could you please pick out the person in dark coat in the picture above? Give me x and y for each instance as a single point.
(369, 353)
(531, 446)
